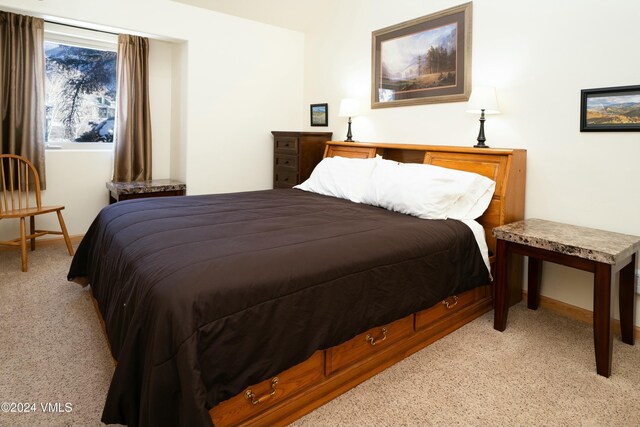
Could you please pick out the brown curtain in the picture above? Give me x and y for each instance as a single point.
(132, 159)
(22, 79)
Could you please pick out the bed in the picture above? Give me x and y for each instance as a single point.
(255, 308)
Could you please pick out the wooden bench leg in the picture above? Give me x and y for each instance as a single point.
(534, 276)
(627, 300)
(501, 288)
(602, 334)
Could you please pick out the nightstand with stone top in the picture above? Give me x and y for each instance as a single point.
(606, 254)
(119, 191)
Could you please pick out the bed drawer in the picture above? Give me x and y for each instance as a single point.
(269, 392)
(367, 344)
(450, 305)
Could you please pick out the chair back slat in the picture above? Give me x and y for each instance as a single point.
(20, 183)
(4, 187)
(11, 186)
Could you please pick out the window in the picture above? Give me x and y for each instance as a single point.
(80, 87)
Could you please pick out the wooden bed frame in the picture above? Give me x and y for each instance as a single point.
(329, 373)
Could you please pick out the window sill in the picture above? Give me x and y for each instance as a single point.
(80, 146)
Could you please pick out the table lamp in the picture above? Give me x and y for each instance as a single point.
(483, 100)
(348, 108)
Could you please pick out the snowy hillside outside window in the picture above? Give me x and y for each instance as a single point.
(80, 92)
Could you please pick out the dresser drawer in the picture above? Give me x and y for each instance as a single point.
(268, 393)
(285, 162)
(367, 344)
(449, 306)
(284, 178)
(286, 144)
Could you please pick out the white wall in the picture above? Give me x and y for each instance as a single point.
(220, 84)
(161, 103)
(255, 86)
(538, 57)
(179, 113)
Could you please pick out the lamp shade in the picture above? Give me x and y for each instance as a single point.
(483, 98)
(348, 108)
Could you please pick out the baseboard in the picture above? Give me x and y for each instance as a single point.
(45, 242)
(573, 312)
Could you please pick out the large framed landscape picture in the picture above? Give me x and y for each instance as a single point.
(426, 60)
(610, 109)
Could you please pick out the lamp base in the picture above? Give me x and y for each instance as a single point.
(349, 135)
(481, 137)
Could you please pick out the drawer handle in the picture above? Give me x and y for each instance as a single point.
(252, 397)
(371, 340)
(448, 305)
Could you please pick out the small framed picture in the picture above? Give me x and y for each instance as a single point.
(610, 109)
(319, 114)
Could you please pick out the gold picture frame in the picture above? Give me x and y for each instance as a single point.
(423, 61)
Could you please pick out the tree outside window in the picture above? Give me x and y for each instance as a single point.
(80, 93)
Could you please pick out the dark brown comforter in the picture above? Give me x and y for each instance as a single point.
(205, 295)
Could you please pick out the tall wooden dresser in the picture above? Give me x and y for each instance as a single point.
(295, 154)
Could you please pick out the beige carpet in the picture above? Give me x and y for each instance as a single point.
(540, 371)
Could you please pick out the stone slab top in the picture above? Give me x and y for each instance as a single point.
(151, 186)
(583, 242)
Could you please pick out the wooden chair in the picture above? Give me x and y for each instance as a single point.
(19, 176)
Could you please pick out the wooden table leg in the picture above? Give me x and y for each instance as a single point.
(533, 283)
(602, 334)
(501, 288)
(627, 300)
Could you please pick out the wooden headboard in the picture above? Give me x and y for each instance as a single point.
(506, 167)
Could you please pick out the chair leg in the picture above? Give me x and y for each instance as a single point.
(23, 243)
(32, 230)
(65, 233)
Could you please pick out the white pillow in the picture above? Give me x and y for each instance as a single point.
(340, 177)
(427, 191)
(475, 201)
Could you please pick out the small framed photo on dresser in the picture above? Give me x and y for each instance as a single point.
(610, 109)
(319, 114)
